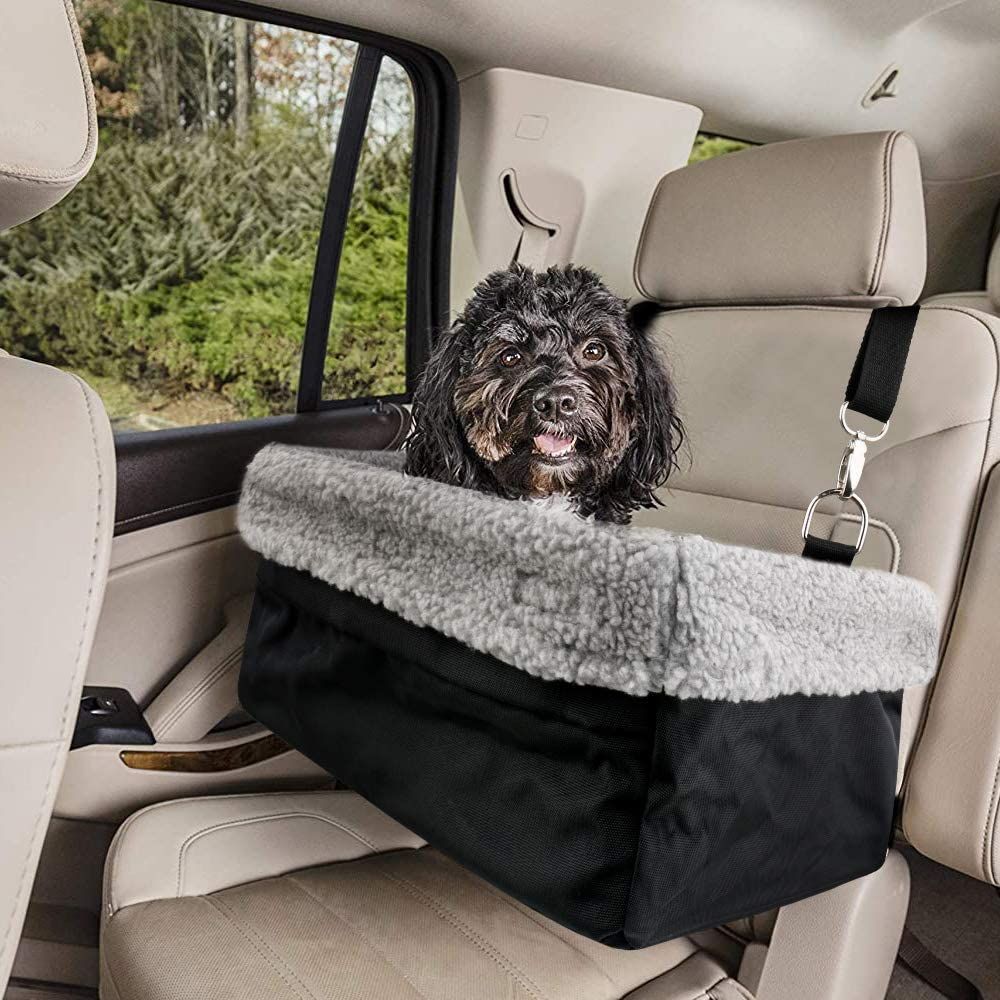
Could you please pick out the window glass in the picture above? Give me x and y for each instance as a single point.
(706, 146)
(366, 352)
(176, 277)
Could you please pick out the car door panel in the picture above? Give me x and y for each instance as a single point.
(169, 474)
(164, 632)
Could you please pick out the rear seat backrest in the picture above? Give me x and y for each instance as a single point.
(777, 255)
(57, 464)
(987, 300)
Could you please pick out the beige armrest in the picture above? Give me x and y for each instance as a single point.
(841, 944)
(204, 692)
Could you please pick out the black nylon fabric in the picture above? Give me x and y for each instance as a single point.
(827, 550)
(878, 368)
(629, 820)
(522, 782)
(756, 804)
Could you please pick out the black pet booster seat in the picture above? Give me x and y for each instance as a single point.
(637, 733)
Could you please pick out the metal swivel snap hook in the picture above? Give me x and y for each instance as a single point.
(851, 467)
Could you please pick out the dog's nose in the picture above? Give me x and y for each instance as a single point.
(555, 402)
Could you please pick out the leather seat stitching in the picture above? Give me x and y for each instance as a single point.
(111, 865)
(738, 986)
(249, 820)
(524, 911)
(946, 629)
(262, 948)
(849, 300)
(698, 491)
(991, 820)
(72, 686)
(641, 247)
(72, 173)
(920, 438)
(206, 683)
(861, 307)
(883, 236)
(501, 960)
(357, 932)
(29, 745)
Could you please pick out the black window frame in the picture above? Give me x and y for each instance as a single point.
(432, 194)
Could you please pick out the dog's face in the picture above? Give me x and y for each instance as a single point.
(547, 399)
(542, 386)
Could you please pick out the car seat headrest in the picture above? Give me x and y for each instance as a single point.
(48, 123)
(836, 220)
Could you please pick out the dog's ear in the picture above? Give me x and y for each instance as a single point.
(659, 433)
(436, 447)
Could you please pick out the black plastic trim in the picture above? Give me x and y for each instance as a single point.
(340, 193)
(121, 723)
(170, 474)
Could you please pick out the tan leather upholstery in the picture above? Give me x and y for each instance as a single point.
(988, 300)
(840, 943)
(980, 301)
(48, 125)
(203, 692)
(760, 387)
(57, 464)
(832, 220)
(57, 500)
(952, 804)
(357, 908)
(197, 846)
(993, 274)
(764, 436)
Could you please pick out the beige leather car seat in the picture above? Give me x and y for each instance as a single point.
(987, 300)
(770, 261)
(57, 469)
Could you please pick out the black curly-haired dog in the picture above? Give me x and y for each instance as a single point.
(544, 386)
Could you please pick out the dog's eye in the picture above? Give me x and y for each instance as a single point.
(510, 357)
(594, 351)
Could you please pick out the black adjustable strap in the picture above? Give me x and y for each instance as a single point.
(929, 969)
(872, 390)
(878, 368)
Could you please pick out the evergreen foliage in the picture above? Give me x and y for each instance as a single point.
(184, 262)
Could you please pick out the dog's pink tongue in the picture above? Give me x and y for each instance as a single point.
(552, 444)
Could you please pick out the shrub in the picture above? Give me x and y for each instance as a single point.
(184, 262)
(707, 147)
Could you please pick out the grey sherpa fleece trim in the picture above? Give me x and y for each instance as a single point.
(636, 609)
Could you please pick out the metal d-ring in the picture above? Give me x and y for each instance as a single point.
(860, 435)
(836, 492)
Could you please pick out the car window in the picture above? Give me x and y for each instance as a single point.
(707, 146)
(176, 279)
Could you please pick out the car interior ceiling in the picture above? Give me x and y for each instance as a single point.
(157, 841)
